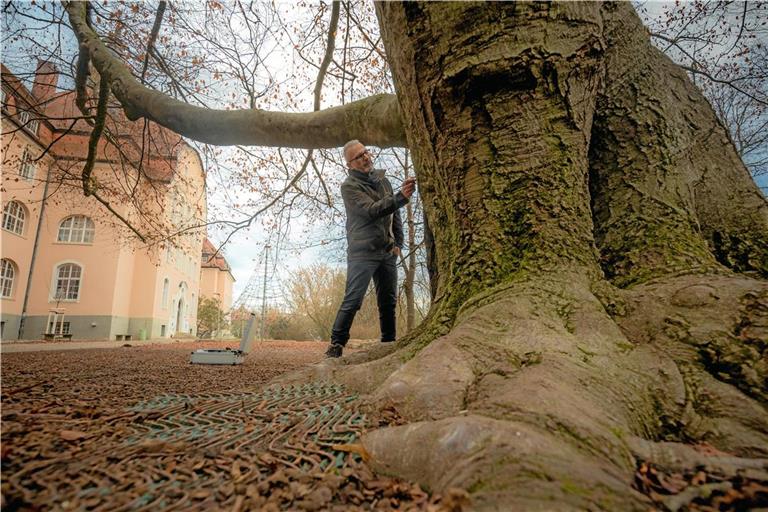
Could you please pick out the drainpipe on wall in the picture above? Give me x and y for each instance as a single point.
(34, 253)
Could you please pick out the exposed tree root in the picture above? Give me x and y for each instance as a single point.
(506, 465)
(538, 396)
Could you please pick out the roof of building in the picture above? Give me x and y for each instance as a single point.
(156, 157)
(211, 261)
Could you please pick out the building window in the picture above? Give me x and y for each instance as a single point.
(23, 117)
(14, 215)
(60, 328)
(166, 284)
(7, 275)
(27, 168)
(68, 277)
(77, 229)
(33, 125)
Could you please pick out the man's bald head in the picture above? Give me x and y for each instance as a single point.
(349, 146)
(357, 156)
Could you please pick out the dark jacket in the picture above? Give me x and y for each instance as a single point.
(374, 226)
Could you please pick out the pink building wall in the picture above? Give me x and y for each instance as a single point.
(122, 280)
(15, 247)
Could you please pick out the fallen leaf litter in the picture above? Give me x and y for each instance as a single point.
(138, 428)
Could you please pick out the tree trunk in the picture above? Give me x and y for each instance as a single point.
(585, 317)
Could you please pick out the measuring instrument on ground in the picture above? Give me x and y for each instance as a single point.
(227, 355)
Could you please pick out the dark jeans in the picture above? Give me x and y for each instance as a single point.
(359, 274)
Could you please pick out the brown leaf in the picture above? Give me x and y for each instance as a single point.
(359, 449)
(235, 471)
(699, 478)
(674, 484)
(238, 506)
(455, 500)
(316, 500)
(72, 435)
(200, 494)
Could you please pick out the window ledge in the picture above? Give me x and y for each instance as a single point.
(14, 233)
(72, 243)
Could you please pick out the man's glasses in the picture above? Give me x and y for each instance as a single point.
(361, 155)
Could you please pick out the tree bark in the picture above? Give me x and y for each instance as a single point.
(669, 191)
(410, 267)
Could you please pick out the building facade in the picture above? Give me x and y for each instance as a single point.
(216, 279)
(65, 253)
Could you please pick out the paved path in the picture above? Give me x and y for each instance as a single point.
(33, 346)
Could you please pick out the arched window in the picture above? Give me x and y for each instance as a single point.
(14, 215)
(68, 276)
(7, 276)
(166, 284)
(77, 229)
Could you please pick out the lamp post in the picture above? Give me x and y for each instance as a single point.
(264, 294)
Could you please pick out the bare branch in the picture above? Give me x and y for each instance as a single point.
(724, 82)
(328, 57)
(152, 37)
(93, 141)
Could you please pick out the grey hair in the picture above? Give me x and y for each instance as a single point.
(349, 145)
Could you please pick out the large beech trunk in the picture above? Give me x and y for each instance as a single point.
(588, 213)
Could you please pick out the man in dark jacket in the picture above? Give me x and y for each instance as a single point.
(375, 240)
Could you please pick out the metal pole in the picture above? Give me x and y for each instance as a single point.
(35, 247)
(264, 296)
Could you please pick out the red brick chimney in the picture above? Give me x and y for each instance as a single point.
(46, 78)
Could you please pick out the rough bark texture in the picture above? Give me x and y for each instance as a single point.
(669, 190)
(502, 161)
(586, 315)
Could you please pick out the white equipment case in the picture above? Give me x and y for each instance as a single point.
(227, 355)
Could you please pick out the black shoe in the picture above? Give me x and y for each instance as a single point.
(387, 341)
(334, 350)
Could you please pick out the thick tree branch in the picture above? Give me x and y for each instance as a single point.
(81, 72)
(93, 141)
(374, 120)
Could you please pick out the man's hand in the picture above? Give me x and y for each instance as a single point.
(396, 251)
(409, 185)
